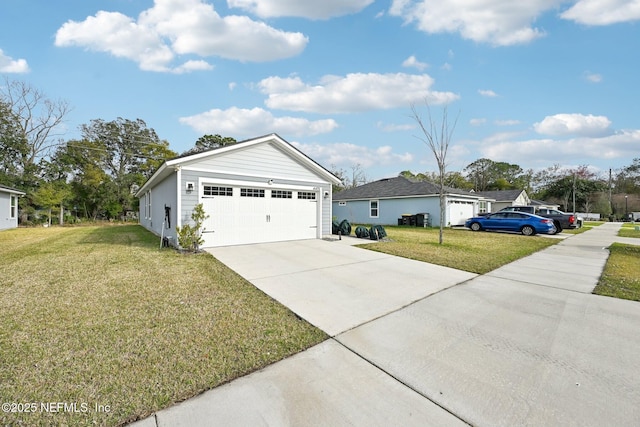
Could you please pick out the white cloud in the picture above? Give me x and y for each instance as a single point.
(621, 145)
(255, 121)
(477, 122)
(10, 65)
(487, 93)
(603, 12)
(232, 85)
(352, 93)
(592, 77)
(392, 127)
(323, 9)
(345, 154)
(507, 122)
(413, 62)
(574, 124)
(179, 27)
(497, 22)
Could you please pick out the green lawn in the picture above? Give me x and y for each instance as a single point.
(102, 316)
(629, 230)
(476, 252)
(621, 276)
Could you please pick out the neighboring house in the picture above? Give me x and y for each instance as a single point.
(504, 198)
(9, 207)
(254, 191)
(541, 204)
(385, 201)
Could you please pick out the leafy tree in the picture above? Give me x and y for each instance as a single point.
(437, 137)
(628, 178)
(479, 173)
(50, 195)
(208, 142)
(485, 174)
(579, 184)
(13, 146)
(127, 151)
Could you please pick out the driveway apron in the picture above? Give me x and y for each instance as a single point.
(333, 285)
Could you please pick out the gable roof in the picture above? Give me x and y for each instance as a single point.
(6, 189)
(396, 187)
(502, 195)
(169, 166)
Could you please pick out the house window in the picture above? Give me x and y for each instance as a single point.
(210, 190)
(373, 208)
(251, 192)
(13, 206)
(148, 204)
(281, 194)
(306, 195)
(482, 207)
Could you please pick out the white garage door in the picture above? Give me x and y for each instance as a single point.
(243, 215)
(459, 212)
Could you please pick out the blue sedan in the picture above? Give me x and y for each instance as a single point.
(521, 222)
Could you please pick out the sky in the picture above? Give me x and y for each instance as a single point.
(533, 82)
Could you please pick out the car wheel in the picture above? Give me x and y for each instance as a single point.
(558, 228)
(475, 226)
(528, 230)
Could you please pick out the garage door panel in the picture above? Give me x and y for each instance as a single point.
(254, 216)
(459, 212)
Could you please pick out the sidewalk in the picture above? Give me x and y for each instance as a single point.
(526, 344)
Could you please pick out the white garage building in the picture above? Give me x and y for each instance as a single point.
(255, 191)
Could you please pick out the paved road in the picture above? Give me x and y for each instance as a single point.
(527, 344)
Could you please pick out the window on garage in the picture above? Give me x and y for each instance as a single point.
(482, 207)
(210, 190)
(281, 194)
(306, 195)
(251, 192)
(373, 208)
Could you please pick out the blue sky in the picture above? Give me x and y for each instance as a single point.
(533, 82)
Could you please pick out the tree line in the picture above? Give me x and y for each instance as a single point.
(614, 193)
(95, 176)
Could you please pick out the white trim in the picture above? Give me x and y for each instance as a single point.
(254, 184)
(260, 177)
(377, 208)
(13, 206)
(178, 198)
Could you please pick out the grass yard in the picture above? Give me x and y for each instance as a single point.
(629, 230)
(100, 317)
(476, 252)
(621, 276)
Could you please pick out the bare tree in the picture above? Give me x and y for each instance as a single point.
(39, 118)
(437, 137)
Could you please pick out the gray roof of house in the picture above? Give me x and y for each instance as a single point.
(395, 187)
(501, 195)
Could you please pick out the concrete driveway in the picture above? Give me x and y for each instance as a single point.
(333, 285)
(525, 345)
